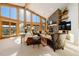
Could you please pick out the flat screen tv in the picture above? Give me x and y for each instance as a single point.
(65, 25)
(68, 26)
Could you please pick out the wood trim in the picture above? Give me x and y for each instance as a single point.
(17, 29)
(7, 19)
(17, 9)
(45, 26)
(10, 29)
(0, 29)
(17, 24)
(40, 24)
(31, 24)
(25, 20)
(35, 23)
(11, 5)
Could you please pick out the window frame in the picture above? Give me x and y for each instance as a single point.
(11, 12)
(5, 6)
(20, 15)
(29, 16)
(37, 18)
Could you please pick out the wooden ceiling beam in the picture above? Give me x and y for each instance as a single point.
(9, 4)
(7, 19)
(0, 29)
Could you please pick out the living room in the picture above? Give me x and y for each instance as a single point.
(39, 29)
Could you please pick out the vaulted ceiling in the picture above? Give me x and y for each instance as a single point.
(43, 9)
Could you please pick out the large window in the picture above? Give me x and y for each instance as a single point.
(28, 16)
(8, 30)
(21, 14)
(35, 18)
(43, 21)
(5, 11)
(38, 19)
(13, 30)
(13, 14)
(9, 12)
(5, 30)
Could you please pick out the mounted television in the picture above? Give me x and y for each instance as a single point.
(65, 25)
(68, 25)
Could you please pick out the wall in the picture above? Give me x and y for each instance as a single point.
(73, 16)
